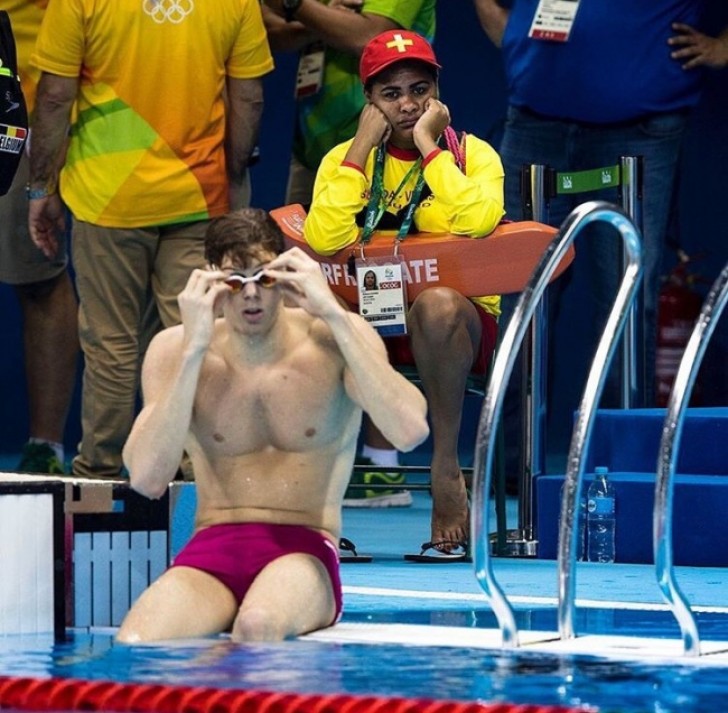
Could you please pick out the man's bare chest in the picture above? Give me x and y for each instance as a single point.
(287, 408)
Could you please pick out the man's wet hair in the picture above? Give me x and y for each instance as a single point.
(242, 235)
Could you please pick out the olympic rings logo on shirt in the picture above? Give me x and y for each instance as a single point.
(173, 10)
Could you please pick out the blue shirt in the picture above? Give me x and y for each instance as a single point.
(615, 66)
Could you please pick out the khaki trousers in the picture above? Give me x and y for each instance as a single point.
(128, 281)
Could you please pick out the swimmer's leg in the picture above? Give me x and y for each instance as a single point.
(184, 602)
(292, 595)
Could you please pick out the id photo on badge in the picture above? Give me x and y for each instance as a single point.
(382, 294)
(370, 282)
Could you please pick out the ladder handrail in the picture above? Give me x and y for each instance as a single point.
(582, 432)
(500, 373)
(672, 428)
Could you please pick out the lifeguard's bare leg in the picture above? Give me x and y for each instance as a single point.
(445, 333)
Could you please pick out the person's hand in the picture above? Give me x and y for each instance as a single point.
(373, 129)
(276, 6)
(46, 221)
(430, 125)
(197, 303)
(695, 49)
(303, 283)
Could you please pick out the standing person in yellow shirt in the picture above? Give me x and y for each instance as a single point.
(42, 285)
(406, 170)
(168, 98)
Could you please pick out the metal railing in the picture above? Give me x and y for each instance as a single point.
(538, 185)
(682, 388)
(493, 403)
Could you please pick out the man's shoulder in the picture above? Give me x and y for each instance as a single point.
(167, 340)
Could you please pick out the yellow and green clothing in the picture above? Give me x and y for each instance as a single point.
(330, 116)
(469, 204)
(147, 141)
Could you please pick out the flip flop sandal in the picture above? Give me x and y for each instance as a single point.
(436, 556)
(348, 552)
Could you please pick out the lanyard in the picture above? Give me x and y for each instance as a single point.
(377, 205)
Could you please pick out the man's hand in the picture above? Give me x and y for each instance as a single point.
(46, 221)
(303, 283)
(197, 306)
(696, 49)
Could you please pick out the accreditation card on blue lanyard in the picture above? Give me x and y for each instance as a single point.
(554, 20)
(381, 286)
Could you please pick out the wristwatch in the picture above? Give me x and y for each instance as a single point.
(290, 8)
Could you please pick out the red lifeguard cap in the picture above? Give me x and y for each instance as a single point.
(394, 46)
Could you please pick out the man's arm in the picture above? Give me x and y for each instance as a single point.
(285, 36)
(171, 370)
(396, 406)
(493, 19)
(244, 111)
(54, 99)
(339, 28)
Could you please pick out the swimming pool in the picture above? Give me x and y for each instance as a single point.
(429, 664)
(413, 631)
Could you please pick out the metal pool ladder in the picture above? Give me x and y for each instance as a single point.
(493, 402)
(682, 388)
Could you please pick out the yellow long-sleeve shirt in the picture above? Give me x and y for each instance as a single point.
(469, 204)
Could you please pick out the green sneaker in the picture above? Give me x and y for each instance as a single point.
(380, 497)
(40, 458)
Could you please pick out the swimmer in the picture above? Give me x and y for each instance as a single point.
(267, 400)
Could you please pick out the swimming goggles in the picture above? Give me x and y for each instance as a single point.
(236, 280)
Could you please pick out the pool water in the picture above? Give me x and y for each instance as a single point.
(449, 673)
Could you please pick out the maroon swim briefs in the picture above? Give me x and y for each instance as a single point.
(236, 553)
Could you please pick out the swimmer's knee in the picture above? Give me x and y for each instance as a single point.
(257, 624)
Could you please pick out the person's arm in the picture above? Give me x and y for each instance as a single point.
(695, 49)
(341, 187)
(244, 111)
(473, 202)
(170, 373)
(493, 19)
(285, 36)
(396, 406)
(49, 131)
(343, 30)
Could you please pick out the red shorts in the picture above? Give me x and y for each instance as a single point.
(236, 553)
(400, 353)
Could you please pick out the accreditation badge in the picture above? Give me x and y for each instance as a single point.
(382, 295)
(310, 75)
(554, 20)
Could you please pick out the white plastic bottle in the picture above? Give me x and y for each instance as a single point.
(580, 523)
(601, 522)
